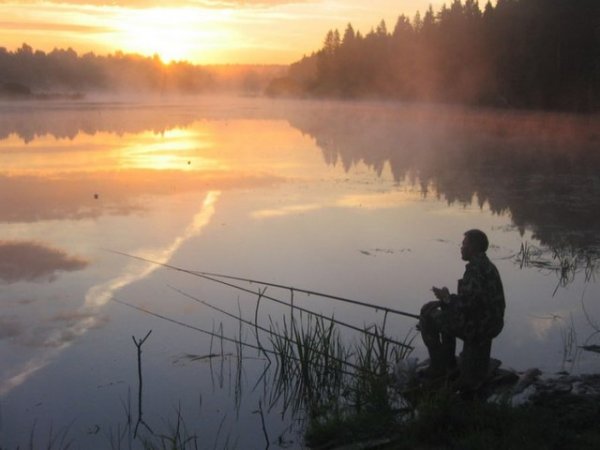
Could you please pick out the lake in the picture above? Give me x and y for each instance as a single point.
(366, 201)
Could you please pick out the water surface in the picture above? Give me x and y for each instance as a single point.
(367, 201)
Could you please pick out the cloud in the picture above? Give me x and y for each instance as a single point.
(21, 376)
(139, 4)
(72, 316)
(382, 200)
(286, 210)
(50, 26)
(33, 261)
(74, 324)
(26, 301)
(246, 3)
(121, 192)
(10, 327)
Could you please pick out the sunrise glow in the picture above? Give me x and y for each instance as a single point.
(173, 33)
(202, 32)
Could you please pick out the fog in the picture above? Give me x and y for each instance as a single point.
(366, 200)
(532, 165)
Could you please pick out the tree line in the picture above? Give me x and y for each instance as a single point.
(26, 71)
(542, 54)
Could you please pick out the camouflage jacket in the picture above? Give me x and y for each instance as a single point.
(478, 306)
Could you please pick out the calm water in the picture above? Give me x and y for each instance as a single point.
(367, 201)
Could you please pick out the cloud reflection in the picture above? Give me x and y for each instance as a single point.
(89, 316)
(29, 369)
(10, 327)
(285, 211)
(542, 326)
(382, 200)
(101, 294)
(34, 261)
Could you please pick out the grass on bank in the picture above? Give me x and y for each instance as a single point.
(345, 392)
(358, 401)
(442, 420)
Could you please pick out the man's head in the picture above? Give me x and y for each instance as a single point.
(474, 243)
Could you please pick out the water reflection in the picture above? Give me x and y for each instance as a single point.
(366, 201)
(104, 172)
(110, 172)
(66, 326)
(98, 296)
(34, 261)
(31, 121)
(542, 169)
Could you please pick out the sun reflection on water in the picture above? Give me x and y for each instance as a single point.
(177, 149)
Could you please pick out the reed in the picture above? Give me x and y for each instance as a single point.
(565, 262)
(56, 440)
(312, 369)
(359, 395)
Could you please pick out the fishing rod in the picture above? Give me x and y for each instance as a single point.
(309, 292)
(281, 286)
(307, 311)
(187, 325)
(256, 326)
(225, 338)
(273, 299)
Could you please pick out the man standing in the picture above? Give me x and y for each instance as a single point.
(475, 314)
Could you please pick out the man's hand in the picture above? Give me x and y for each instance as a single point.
(442, 294)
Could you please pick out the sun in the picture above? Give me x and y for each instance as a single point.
(174, 34)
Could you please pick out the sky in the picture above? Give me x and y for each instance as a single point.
(199, 31)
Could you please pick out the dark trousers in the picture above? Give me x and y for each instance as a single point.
(439, 340)
(439, 331)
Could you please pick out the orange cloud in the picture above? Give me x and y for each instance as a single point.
(50, 26)
(177, 3)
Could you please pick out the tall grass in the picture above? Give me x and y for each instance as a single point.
(343, 389)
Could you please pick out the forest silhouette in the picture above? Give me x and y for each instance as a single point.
(535, 54)
(26, 72)
(540, 54)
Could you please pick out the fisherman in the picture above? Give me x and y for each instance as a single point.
(475, 314)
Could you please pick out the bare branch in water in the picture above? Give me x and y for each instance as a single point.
(138, 343)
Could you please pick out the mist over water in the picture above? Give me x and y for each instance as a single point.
(363, 200)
